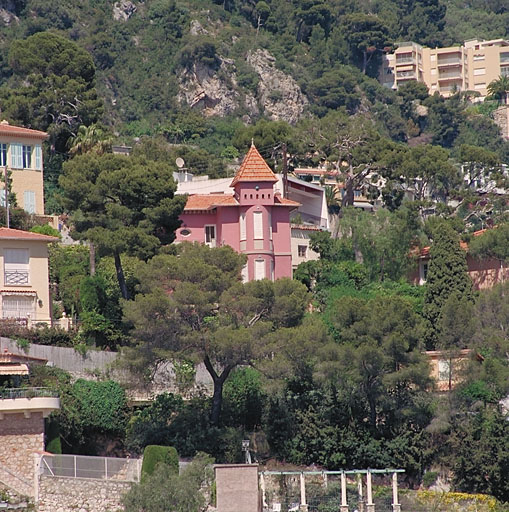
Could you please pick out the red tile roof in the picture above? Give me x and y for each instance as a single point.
(7, 129)
(254, 168)
(17, 234)
(424, 252)
(282, 201)
(209, 201)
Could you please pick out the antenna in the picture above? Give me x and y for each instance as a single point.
(180, 162)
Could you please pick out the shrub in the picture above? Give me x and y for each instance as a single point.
(429, 478)
(154, 454)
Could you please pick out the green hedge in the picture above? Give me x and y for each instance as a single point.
(154, 454)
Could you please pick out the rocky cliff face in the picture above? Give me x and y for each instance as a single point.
(217, 93)
(278, 93)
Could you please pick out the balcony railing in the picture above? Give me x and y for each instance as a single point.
(404, 60)
(405, 74)
(11, 393)
(16, 277)
(456, 61)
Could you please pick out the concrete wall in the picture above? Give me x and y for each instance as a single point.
(97, 362)
(60, 494)
(237, 488)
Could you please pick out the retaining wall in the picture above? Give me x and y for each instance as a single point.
(60, 494)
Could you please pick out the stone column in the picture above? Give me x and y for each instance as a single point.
(360, 491)
(262, 486)
(396, 507)
(370, 506)
(344, 504)
(303, 503)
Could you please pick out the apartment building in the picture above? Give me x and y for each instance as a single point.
(470, 67)
(21, 154)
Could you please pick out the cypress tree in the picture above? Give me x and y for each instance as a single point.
(447, 275)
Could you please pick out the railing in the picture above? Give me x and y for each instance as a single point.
(404, 60)
(16, 277)
(451, 61)
(405, 74)
(100, 468)
(11, 393)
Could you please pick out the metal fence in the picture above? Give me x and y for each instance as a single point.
(81, 466)
(28, 393)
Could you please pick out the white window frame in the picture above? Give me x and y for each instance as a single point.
(211, 241)
(16, 267)
(259, 269)
(27, 156)
(3, 154)
(299, 247)
(242, 226)
(258, 225)
(444, 370)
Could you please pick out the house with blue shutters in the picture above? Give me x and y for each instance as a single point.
(21, 155)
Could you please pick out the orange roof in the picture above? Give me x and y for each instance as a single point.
(7, 129)
(278, 200)
(424, 252)
(209, 201)
(253, 168)
(17, 234)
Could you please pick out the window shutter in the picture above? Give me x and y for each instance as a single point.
(17, 156)
(29, 200)
(258, 225)
(2, 198)
(259, 269)
(242, 221)
(38, 157)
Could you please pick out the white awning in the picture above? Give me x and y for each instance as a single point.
(14, 369)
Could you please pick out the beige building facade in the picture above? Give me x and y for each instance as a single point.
(470, 67)
(21, 155)
(24, 276)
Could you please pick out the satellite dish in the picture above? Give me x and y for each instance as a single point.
(180, 162)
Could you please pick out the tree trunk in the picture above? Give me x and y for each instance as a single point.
(217, 397)
(348, 198)
(120, 276)
(92, 259)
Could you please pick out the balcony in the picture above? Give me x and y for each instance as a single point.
(404, 60)
(405, 74)
(449, 61)
(451, 75)
(27, 401)
(16, 277)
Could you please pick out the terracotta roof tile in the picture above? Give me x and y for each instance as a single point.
(278, 200)
(17, 234)
(424, 252)
(254, 168)
(7, 129)
(209, 201)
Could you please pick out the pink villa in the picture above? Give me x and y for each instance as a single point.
(254, 221)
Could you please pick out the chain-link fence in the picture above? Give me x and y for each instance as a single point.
(80, 466)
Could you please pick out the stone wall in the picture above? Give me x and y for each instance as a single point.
(60, 494)
(20, 438)
(237, 488)
(501, 118)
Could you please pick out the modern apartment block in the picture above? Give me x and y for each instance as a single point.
(470, 67)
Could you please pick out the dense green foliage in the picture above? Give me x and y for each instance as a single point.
(166, 490)
(154, 455)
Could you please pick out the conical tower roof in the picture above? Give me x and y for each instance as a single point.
(254, 168)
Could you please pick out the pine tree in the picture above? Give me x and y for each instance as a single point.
(447, 275)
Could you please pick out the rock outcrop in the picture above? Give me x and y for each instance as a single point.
(216, 91)
(123, 10)
(278, 93)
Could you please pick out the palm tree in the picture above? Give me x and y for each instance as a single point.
(499, 89)
(333, 204)
(89, 139)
